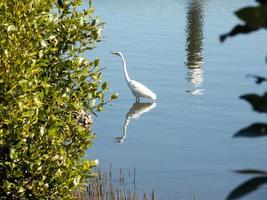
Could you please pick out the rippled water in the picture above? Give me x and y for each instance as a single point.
(182, 144)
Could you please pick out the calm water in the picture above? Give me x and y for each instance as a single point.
(182, 145)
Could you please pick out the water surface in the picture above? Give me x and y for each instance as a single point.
(182, 145)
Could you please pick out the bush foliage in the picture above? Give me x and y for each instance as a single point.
(44, 81)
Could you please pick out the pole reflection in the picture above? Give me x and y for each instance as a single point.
(135, 111)
(194, 46)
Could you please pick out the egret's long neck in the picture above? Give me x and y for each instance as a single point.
(125, 69)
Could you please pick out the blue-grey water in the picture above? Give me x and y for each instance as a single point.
(182, 145)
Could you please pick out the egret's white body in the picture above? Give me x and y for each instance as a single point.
(137, 88)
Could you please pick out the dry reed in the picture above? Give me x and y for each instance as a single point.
(103, 187)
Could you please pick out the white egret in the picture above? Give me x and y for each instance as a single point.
(137, 88)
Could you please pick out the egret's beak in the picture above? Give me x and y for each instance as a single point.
(114, 53)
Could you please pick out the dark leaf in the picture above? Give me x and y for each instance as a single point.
(251, 171)
(247, 187)
(93, 22)
(262, 1)
(253, 16)
(237, 30)
(258, 103)
(60, 3)
(254, 130)
(93, 113)
(259, 79)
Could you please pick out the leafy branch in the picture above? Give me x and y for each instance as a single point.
(254, 18)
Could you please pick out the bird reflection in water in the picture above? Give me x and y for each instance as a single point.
(194, 44)
(134, 112)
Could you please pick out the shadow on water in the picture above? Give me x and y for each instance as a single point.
(194, 46)
(135, 112)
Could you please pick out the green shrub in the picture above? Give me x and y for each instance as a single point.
(44, 83)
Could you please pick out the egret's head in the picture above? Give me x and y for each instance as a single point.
(116, 53)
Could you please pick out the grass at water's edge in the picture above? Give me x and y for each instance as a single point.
(104, 187)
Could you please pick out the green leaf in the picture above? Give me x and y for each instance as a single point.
(114, 96)
(96, 62)
(89, 11)
(104, 86)
(21, 189)
(11, 28)
(12, 153)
